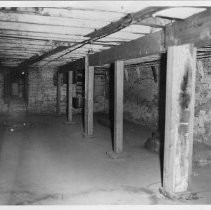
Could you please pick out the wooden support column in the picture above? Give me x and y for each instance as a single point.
(59, 80)
(180, 98)
(89, 89)
(70, 98)
(118, 106)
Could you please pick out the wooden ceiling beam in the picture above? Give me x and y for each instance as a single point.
(144, 46)
(155, 22)
(195, 29)
(41, 35)
(111, 28)
(38, 19)
(125, 21)
(63, 30)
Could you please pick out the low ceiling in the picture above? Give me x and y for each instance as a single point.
(41, 36)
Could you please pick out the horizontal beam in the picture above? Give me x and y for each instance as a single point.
(74, 66)
(196, 30)
(144, 46)
(125, 21)
(155, 22)
(97, 34)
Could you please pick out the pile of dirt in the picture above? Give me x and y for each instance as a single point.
(153, 142)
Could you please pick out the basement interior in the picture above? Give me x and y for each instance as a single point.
(105, 104)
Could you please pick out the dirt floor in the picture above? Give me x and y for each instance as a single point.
(46, 162)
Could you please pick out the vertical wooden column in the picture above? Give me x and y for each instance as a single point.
(118, 106)
(59, 78)
(89, 89)
(180, 98)
(70, 97)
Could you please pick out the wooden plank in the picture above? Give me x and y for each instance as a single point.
(105, 31)
(64, 30)
(41, 36)
(89, 90)
(59, 80)
(49, 20)
(118, 106)
(180, 91)
(37, 58)
(125, 21)
(155, 22)
(196, 30)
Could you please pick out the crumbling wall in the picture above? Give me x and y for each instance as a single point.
(202, 122)
(141, 96)
(100, 104)
(42, 90)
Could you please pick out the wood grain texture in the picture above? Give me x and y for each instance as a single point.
(118, 106)
(70, 97)
(89, 90)
(180, 91)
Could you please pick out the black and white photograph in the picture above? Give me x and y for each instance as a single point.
(105, 103)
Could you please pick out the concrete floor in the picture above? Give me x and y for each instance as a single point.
(48, 162)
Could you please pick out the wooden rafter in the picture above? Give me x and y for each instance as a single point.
(125, 21)
(195, 29)
(111, 28)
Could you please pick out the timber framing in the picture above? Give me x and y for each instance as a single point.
(196, 30)
(100, 33)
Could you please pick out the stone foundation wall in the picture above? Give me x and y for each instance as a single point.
(141, 96)
(41, 90)
(202, 123)
(100, 104)
(141, 99)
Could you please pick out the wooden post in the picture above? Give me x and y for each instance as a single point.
(59, 78)
(89, 89)
(180, 98)
(118, 106)
(70, 98)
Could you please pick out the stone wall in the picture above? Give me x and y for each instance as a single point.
(41, 90)
(202, 123)
(100, 102)
(141, 96)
